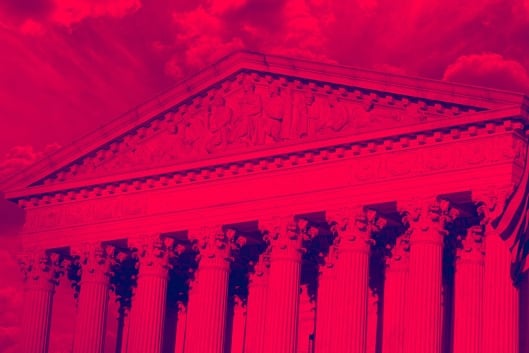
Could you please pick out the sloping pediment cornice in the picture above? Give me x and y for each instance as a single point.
(254, 104)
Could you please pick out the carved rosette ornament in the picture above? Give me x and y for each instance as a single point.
(41, 270)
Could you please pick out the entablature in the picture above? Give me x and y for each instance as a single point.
(475, 141)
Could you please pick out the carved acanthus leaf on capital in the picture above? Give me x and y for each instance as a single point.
(216, 242)
(286, 233)
(95, 259)
(259, 269)
(40, 268)
(155, 252)
(424, 215)
(471, 245)
(490, 203)
(355, 226)
(329, 260)
(399, 252)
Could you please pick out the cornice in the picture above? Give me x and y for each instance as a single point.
(268, 160)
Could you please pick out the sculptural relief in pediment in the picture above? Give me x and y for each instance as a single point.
(251, 111)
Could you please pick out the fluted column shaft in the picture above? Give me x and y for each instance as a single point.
(208, 303)
(326, 310)
(90, 326)
(350, 330)
(238, 326)
(501, 299)
(41, 272)
(285, 247)
(257, 306)
(353, 228)
(149, 300)
(395, 294)
(468, 301)
(181, 326)
(424, 325)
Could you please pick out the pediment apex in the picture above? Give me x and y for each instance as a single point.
(268, 68)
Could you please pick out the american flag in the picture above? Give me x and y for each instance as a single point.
(512, 225)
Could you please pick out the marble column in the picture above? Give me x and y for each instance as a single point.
(257, 306)
(238, 326)
(468, 299)
(424, 327)
(395, 294)
(284, 236)
(41, 272)
(95, 270)
(326, 310)
(500, 297)
(181, 325)
(149, 299)
(306, 319)
(207, 309)
(353, 228)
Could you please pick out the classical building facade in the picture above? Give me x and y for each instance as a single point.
(284, 206)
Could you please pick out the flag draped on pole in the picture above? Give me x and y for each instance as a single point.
(512, 225)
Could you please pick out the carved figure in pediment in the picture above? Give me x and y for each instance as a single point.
(413, 112)
(191, 129)
(220, 119)
(361, 114)
(310, 116)
(337, 116)
(248, 115)
(273, 128)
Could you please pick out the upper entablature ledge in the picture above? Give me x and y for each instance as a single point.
(255, 102)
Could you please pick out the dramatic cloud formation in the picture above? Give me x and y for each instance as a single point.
(69, 66)
(486, 68)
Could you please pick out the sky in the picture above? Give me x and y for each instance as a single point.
(69, 66)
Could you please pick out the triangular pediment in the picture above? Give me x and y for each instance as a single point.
(246, 104)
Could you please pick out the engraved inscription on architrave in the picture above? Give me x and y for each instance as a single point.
(248, 112)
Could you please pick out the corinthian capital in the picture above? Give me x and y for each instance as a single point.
(286, 233)
(259, 269)
(471, 247)
(490, 203)
(216, 243)
(425, 217)
(41, 269)
(95, 261)
(154, 253)
(400, 251)
(354, 226)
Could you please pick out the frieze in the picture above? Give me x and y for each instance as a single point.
(86, 211)
(250, 111)
(377, 167)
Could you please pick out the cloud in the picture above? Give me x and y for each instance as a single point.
(202, 37)
(68, 12)
(222, 6)
(489, 69)
(20, 157)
